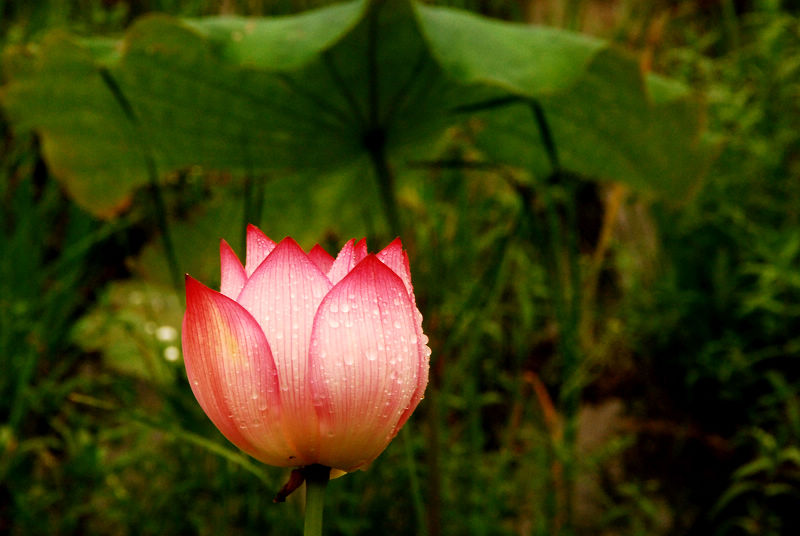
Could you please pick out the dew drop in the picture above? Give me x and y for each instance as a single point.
(345, 307)
(371, 355)
(333, 323)
(397, 324)
(171, 353)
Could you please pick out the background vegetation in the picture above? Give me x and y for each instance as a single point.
(606, 359)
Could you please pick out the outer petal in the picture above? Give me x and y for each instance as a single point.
(351, 254)
(360, 251)
(258, 247)
(321, 258)
(364, 364)
(283, 295)
(232, 374)
(395, 258)
(232, 274)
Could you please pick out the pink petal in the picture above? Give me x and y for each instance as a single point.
(258, 247)
(424, 364)
(395, 258)
(364, 364)
(343, 263)
(232, 272)
(360, 251)
(283, 295)
(321, 258)
(232, 374)
(350, 255)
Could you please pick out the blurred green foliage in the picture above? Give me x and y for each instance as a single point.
(678, 414)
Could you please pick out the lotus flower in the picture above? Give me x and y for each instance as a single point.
(305, 359)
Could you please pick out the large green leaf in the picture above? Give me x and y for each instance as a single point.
(317, 92)
(606, 119)
(86, 138)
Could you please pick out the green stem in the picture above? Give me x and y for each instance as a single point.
(317, 477)
(385, 178)
(160, 209)
(413, 480)
(152, 176)
(565, 274)
(375, 132)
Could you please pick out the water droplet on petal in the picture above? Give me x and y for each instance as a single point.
(372, 355)
(333, 323)
(345, 307)
(397, 324)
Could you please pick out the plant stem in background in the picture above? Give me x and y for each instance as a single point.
(317, 477)
(385, 178)
(731, 25)
(253, 203)
(152, 175)
(375, 133)
(572, 14)
(564, 268)
(161, 220)
(413, 481)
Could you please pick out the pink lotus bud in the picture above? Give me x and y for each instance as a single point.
(303, 358)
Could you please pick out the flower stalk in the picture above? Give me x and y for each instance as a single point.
(317, 477)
